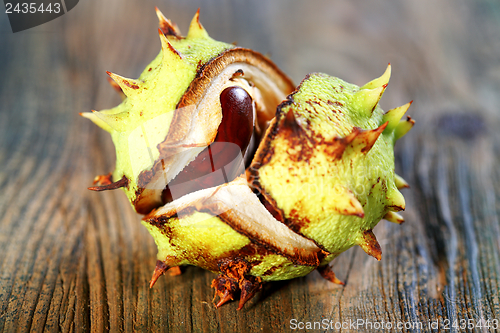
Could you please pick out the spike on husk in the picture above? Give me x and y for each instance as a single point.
(327, 273)
(128, 86)
(224, 298)
(96, 119)
(368, 99)
(394, 217)
(160, 269)
(225, 288)
(368, 242)
(344, 202)
(196, 30)
(167, 27)
(365, 140)
(169, 53)
(393, 116)
(105, 186)
(395, 200)
(114, 121)
(400, 182)
(248, 289)
(117, 88)
(380, 81)
(403, 127)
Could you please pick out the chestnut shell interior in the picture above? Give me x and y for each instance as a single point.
(223, 160)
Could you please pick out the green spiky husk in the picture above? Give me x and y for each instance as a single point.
(143, 120)
(329, 190)
(326, 164)
(324, 169)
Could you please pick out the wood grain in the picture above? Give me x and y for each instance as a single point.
(76, 261)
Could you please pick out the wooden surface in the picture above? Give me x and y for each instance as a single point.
(72, 260)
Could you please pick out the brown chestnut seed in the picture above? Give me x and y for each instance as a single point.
(219, 162)
(237, 109)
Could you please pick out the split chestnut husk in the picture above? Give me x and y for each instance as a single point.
(242, 174)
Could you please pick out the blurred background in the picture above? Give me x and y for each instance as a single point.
(75, 260)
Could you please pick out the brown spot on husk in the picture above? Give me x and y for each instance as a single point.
(296, 221)
(130, 85)
(291, 131)
(271, 270)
